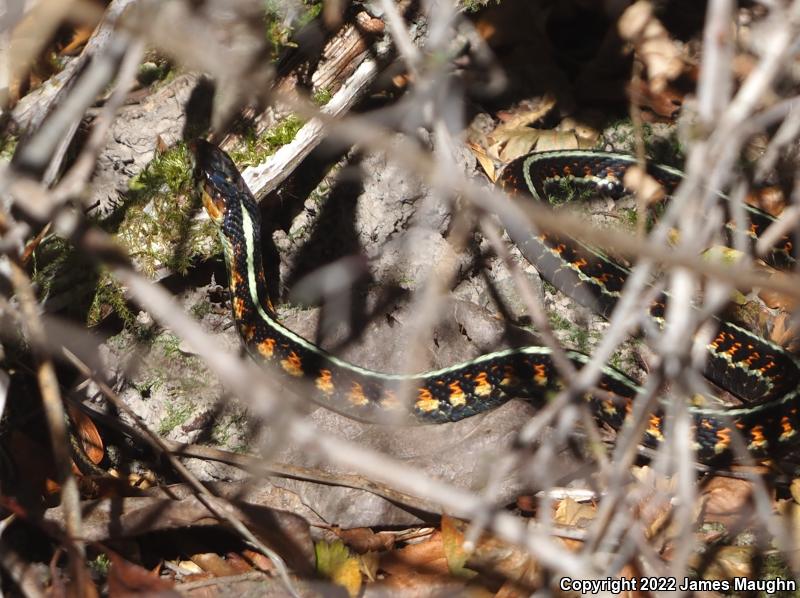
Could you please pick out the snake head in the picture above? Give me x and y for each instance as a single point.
(216, 179)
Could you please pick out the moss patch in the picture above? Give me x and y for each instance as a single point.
(476, 5)
(158, 227)
(8, 145)
(661, 142)
(256, 149)
(177, 414)
(109, 298)
(281, 24)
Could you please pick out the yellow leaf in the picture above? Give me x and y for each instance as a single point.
(556, 140)
(335, 562)
(484, 160)
(572, 513)
(369, 562)
(453, 543)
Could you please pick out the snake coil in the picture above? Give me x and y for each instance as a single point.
(739, 361)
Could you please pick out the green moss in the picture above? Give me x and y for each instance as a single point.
(775, 566)
(476, 5)
(169, 170)
(109, 298)
(661, 143)
(100, 565)
(280, 26)
(177, 414)
(64, 277)
(201, 309)
(169, 344)
(157, 227)
(322, 97)
(8, 145)
(257, 149)
(570, 190)
(53, 255)
(629, 217)
(230, 426)
(558, 322)
(156, 70)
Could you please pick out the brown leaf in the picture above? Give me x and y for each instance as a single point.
(654, 506)
(527, 113)
(363, 539)
(645, 186)
(729, 562)
(509, 144)
(778, 300)
(238, 563)
(790, 511)
(369, 562)
(507, 560)
(128, 579)
(453, 542)
(258, 560)
(784, 331)
(425, 557)
(727, 500)
(557, 140)
(665, 103)
(654, 47)
(335, 562)
(368, 23)
(213, 563)
(79, 38)
(769, 199)
(484, 160)
(90, 437)
(574, 514)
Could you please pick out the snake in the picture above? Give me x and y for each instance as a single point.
(761, 373)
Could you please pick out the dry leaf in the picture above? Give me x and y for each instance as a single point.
(335, 562)
(785, 332)
(453, 543)
(238, 563)
(127, 579)
(514, 137)
(509, 561)
(427, 557)
(213, 563)
(732, 561)
(790, 511)
(574, 514)
(484, 160)
(769, 199)
(727, 500)
(369, 563)
(665, 104)
(556, 140)
(79, 38)
(258, 560)
(650, 190)
(660, 54)
(509, 144)
(90, 437)
(363, 539)
(527, 113)
(777, 300)
(654, 499)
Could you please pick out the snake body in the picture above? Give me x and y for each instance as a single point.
(740, 362)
